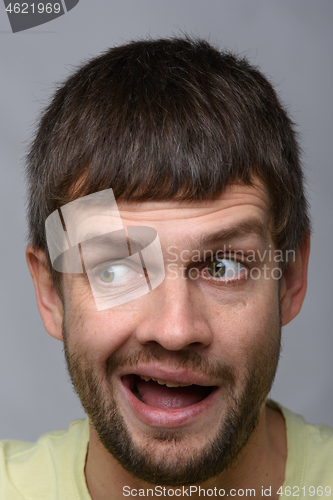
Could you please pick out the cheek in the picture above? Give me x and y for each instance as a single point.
(96, 335)
(246, 326)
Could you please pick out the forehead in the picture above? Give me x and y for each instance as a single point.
(237, 204)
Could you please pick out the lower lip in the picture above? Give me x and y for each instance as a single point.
(156, 417)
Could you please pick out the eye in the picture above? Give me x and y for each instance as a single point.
(106, 274)
(117, 274)
(227, 269)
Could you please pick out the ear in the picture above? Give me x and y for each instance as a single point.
(294, 282)
(48, 301)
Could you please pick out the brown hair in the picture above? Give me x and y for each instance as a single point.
(166, 119)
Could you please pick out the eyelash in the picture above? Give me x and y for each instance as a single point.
(239, 279)
(99, 268)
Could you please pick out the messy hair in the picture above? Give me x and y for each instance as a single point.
(167, 119)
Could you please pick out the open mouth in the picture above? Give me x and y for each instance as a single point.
(164, 394)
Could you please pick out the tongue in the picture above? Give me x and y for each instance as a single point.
(169, 398)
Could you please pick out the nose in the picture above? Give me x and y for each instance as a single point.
(174, 318)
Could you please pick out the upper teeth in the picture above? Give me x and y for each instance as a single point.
(168, 383)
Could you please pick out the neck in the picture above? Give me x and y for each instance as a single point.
(260, 466)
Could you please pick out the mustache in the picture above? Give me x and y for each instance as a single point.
(187, 359)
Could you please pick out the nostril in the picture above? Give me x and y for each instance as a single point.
(196, 344)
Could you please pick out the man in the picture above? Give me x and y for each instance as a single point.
(169, 244)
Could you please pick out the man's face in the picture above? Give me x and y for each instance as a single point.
(174, 381)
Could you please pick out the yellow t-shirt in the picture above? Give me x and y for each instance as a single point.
(50, 469)
(309, 467)
(53, 467)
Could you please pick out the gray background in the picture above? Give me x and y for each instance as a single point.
(292, 42)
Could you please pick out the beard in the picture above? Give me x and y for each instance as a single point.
(186, 465)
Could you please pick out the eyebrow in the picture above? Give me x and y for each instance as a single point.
(244, 228)
(112, 236)
(116, 241)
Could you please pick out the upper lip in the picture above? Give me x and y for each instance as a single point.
(180, 375)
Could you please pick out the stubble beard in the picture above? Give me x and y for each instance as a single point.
(187, 465)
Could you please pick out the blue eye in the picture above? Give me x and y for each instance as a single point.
(225, 268)
(106, 274)
(117, 274)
